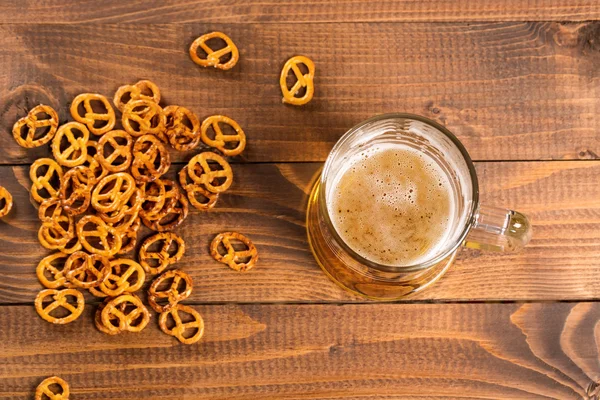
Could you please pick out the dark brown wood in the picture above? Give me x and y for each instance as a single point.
(434, 351)
(294, 11)
(267, 203)
(510, 90)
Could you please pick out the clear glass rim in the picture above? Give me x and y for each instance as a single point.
(405, 268)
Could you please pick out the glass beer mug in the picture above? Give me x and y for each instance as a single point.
(473, 225)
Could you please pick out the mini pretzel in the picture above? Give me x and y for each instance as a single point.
(90, 117)
(113, 320)
(146, 152)
(182, 128)
(51, 210)
(168, 201)
(46, 185)
(114, 151)
(113, 191)
(221, 140)
(198, 196)
(60, 299)
(154, 262)
(107, 239)
(57, 233)
(172, 294)
(50, 275)
(43, 390)
(174, 217)
(85, 271)
(234, 258)
(132, 321)
(76, 151)
(34, 123)
(6, 201)
(213, 57)
(121, 272)
(180, 328)
(147, 118)
(136, 92)
(129, 236)
(303, 80)
(208, 177)
(123, 218)
(76, 190)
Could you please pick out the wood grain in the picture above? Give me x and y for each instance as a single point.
(267, 203)
(411, 351)
(293, 11)
(510, 90)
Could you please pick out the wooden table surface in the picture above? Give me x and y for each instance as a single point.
(518, 81)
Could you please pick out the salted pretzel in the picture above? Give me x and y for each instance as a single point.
(85, 271)
(222, 141)
(113, 191)
(129, 236)
(50, 271)
(60, 299)
(136, 91)
(181, 328)
(102, 239)
(182, 128)
(198, 196)
(143, 117)
(46, 176)
(43, 391)
(213, 57)
(156, 255)
(57, 233)
(173, 294)
(147, 151)
(223, 251)
(172, 219)
(125, 276)
(76, 190)
(48, 125)
(114, 151)
(214, 180)
(133, 318)
(302, 81)
(6, 202)
(76, 136)
(91, 118)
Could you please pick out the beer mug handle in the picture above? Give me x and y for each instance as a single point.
(498, 229)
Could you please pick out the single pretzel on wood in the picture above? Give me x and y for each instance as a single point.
(44, 391)
(114, 151)
(76, 136)
(172, 219)
(50, 272)
(133, 318)
(113, 191)
(302, 81)
(173, 294)
(147, 151)
(213, 57)
(60, 299)
(136, 91)
(198, 196)
(221, 141)
(6, 202)
(85, 271)
(46, 177)
(143, 117)
(239, 260)
(91, 118)
(181, 328)
(154, 261)
(125, 276)
(214, 180)
(76, 190)
(33, 122)
(182, 128)
(102, 239)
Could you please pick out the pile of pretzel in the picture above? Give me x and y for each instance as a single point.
(94, 196)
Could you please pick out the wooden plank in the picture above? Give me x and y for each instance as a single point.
(510, 91)
(289, 11)
(433, 351)
(267, 202)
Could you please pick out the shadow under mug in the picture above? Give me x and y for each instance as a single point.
(475, 226)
